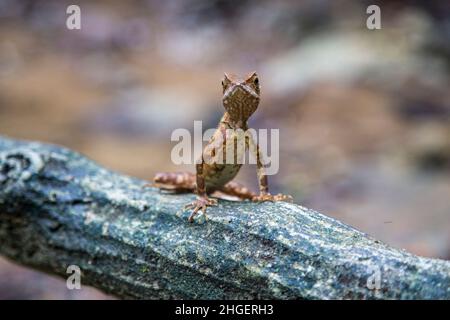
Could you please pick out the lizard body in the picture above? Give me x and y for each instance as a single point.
(240, 99)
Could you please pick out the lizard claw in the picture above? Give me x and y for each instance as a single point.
(268, 197)
(200, 205)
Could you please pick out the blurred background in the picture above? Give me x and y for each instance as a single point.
(364, 115)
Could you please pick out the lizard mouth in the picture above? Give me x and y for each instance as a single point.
(240, 90)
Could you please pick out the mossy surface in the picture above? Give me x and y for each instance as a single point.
(58, 208)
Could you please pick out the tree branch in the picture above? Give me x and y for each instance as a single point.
(58, 209)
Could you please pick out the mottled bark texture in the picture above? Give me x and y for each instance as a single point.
(58, 208)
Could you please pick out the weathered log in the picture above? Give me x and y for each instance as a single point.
(58, 208)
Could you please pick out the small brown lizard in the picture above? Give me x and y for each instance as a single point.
(240, 99)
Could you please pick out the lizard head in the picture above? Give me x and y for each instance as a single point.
(240, 96)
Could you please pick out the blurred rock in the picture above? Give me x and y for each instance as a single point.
(17, 282)
(155, 112)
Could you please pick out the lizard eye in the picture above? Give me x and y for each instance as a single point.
(256, 81)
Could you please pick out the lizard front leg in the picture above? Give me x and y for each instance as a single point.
(203, 200)
(264, 194)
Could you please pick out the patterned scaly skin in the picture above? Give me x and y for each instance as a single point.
(240, 99)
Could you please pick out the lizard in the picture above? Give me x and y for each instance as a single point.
(241, 97)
